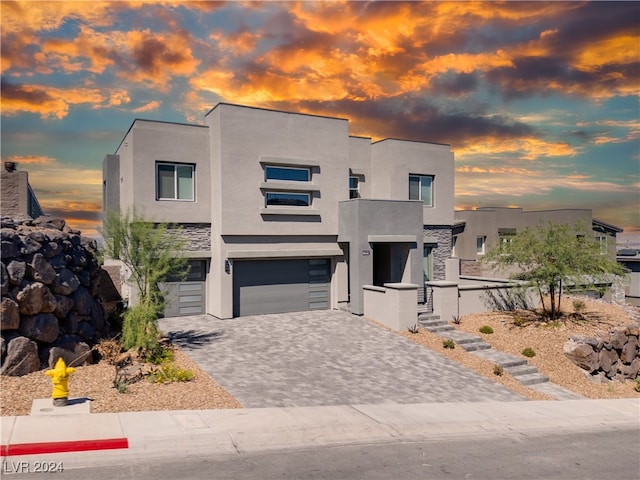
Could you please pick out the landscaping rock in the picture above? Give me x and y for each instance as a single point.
(582, 355)
(42, 327)
(22, 357)
(50, 289)
(9, 314)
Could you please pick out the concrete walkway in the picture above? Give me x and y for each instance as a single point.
(323, 358)
(76, 441)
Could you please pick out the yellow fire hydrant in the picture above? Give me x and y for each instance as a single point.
(60, 379)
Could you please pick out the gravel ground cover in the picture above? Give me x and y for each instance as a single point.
(203, 392)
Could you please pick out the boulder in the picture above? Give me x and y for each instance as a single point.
(9, 250)
(30, 246)
(607, 359)
(63, 306)
(31, 298)
(632, 330)
(65, 283)
(581, 354)
(73, 354)
(10, 314)
(51, 249)
(82, 301)
(22, 357)
(617, 338)
(42, 327)
(41, 270)
(596, 343)
(629, 350)
(4, 279)
(16, 269)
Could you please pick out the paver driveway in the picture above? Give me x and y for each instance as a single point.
(323, 358)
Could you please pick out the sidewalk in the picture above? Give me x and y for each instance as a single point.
(82, 440)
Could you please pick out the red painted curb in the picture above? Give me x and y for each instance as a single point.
(60, 447)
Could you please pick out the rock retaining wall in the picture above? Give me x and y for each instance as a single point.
(617, 357)
(55, 296)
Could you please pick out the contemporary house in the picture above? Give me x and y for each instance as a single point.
(477, 231)
(286, 211)
(16, 193)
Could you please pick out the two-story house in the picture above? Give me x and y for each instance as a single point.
(478, 231)
(285, 211)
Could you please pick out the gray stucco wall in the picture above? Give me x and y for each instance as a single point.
(14, 192)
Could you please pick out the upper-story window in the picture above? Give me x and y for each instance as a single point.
(602, 241)
(421, 188)
(175, 181)
(289, 174)
(354, 187)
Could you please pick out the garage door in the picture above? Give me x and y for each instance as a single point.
(279, 286)
(187, 297)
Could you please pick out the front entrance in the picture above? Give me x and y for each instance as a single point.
(389, 262)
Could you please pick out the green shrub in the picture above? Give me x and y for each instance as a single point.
(498, 370)
(579, 306)
(486, 329)
(171, 373)
(518, 321)
(160, 355)
(529, 352)
(139, 328)
(637, 387)
(448, 343)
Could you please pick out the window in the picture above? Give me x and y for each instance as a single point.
(289, 199)
(289, 174)
(602, 241)
(454, 240)
(480, 245)
(174, 181)
(420, 188)
(354, 191)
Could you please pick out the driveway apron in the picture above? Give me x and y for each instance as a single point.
(323, 358)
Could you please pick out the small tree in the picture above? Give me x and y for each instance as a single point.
(152, 254)
(551, 255)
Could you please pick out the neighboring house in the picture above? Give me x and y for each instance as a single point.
(17, 197)
(286, 211)
(475, 232)
(629, 258)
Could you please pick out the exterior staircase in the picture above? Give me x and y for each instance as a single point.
(516, 366)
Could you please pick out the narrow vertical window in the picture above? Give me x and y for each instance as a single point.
(354, 191)
(480, 245)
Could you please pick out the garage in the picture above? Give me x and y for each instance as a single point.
(187, 297)
(280, 286)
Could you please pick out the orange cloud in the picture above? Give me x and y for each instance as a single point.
(153, 105)
(29, 159)
(527, 148)
(51, 102)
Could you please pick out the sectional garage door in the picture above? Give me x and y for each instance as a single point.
(279, 286)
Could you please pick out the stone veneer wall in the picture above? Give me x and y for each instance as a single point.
(198, 236)
(443, 250)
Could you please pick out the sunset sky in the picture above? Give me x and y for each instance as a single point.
(539, 101)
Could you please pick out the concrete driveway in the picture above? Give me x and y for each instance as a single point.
(323, 358)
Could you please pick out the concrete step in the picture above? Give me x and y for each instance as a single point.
(521, 370)
(556, 391)
(432, 322)
(532, 379)
(461, 338)
(503, 359)
(428, 316)
(474, 347)
(438, 328)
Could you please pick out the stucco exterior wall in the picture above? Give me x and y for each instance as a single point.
(14, 192)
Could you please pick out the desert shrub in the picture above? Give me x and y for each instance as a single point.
(448, 343)
(518, 321)
(637, 387)
(109, 350)
(139, 328)
(160, 355)
(579, 306)
(171, 373)
(529, 352)
(498, 370)
(456, 319)
(413, 329)
(486, 329)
